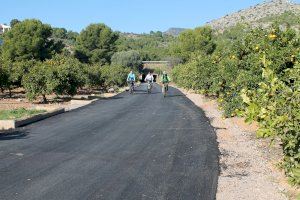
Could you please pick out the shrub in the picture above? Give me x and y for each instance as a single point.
(199, 40)
(114, 75)
(93, 76)
(36, 82)
(60, 75)
(16, 70)
(68, 75)
(130, 59)
(275, 105)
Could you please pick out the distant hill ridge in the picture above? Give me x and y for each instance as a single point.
(174, 31)
(256, 13)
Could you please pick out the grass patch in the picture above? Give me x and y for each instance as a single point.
(18, 113)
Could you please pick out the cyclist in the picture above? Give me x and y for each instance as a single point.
(165, 79)
(149, 79)
(131, 79)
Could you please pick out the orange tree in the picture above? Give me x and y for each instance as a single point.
(236, 73)
(59, 75)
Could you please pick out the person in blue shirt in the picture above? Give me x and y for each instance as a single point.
(131, 77)
(131, 80)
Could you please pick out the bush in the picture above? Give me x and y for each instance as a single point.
(114, 75)
(36, 82)
(199, 40)
(94, 76)
(60, 75)
(16, 70)
(130, 59)
(275, 105)
(68, 75)
(153, 46)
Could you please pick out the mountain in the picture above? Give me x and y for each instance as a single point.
(174, 31)
(260, 14)
(130, 35)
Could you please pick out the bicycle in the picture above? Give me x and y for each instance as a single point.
(165, 89)
(149, 87)
(131, 86)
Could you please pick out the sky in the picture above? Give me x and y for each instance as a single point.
(137, 16)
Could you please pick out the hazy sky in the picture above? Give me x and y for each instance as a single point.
(123, 15)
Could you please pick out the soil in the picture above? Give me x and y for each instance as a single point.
(248, 166)
(18, 100)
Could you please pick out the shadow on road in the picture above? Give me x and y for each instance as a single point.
(145, 92)
(175, 95)
(139, 90)
(14, 134)
(109, 98)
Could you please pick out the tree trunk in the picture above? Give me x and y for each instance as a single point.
(44, 99)
(10, 93)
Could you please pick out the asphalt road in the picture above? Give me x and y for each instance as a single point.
(137, 146)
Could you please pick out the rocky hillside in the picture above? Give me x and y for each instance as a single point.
(255, 14)
(174, 31)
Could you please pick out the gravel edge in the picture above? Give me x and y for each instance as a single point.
(245, 172)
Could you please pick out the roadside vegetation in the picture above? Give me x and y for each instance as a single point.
(254, 73)
(288, 17)
(153, 46)
(18, 113)
(45, 60)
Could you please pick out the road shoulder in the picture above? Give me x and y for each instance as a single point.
(247, 170)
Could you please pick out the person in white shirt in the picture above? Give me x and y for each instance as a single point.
(149, 79)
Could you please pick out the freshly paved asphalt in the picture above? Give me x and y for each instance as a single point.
(137, 146)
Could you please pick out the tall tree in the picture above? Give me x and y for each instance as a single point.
(153, 46)
(199, 40)
(13, 22)
(60, 33)
(71, 35)
(96, 44)
(29, 40)
(130, 59)
(4, 82)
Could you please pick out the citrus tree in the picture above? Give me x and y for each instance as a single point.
(253, 73)
(59, 75)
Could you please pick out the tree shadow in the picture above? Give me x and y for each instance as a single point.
(13, 134)
(139, 90)
(237, 175)
(14, 94)
(145, 93)
(175, 95)
(108, 98)
(220, 128)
